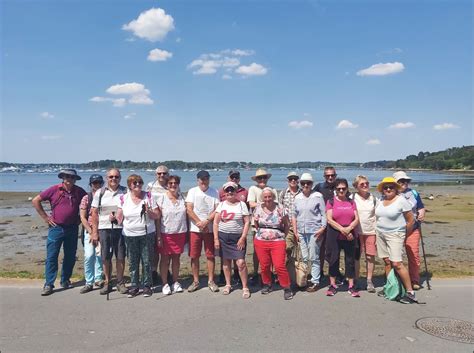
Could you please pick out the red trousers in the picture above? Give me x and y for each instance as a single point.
(272, 252)
(412, 247)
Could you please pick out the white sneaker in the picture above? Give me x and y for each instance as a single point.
(166, 290)
(177, 287)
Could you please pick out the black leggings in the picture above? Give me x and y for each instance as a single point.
(333, 250)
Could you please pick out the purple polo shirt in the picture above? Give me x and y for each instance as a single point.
(64, 204)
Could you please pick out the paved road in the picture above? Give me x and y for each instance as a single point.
(203, 321)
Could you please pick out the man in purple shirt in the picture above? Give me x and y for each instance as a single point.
(63, 222)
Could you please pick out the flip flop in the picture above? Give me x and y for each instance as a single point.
(245, 293)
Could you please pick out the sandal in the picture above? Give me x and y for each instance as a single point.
(226, 290)
(246, 293)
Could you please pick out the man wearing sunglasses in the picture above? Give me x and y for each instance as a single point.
(157, 189)
(63, 224)
(107, 231)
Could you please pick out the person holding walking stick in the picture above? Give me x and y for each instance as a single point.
(137, 212)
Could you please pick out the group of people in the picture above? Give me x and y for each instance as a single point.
(150, 225)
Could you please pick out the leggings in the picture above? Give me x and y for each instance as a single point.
(333, 250)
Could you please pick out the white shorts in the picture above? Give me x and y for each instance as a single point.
(391, 245)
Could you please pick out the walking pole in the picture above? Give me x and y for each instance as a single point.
(111, 254)
(424, 258)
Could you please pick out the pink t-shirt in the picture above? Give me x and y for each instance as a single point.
(342, 212)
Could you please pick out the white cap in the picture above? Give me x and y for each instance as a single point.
(400, 175)
(306, 177)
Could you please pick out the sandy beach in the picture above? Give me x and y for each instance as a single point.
(448, 233)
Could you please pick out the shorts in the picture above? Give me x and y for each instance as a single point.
(195, 244)
(112, 239)
(391, 245)
(368, 244)
(172, 244)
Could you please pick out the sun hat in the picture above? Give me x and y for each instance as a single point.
(72, 172)
(292, 174)
(162, 169)
(96, 177)
(306, 177)
(229, 184)
(387, 180)
(400, 175)
(203, 174)
(261, 172)
(234, 172)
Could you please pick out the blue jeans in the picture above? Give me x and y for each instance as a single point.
(310, 253)
(56, 237)
(92, 262)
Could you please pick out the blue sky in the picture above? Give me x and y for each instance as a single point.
(261, 81)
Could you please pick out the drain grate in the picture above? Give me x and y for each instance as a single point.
(447, 328)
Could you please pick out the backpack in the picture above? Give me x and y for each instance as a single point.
(393, 289)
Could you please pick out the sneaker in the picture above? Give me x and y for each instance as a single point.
(313, 287)
(408, 298)
(155, 278)
(353, 292)
(287, 294)
(147, 292)
(166, 290)
(107, 288)
(99, 284)
(177, 287)
(213, 287)
(66, 284)
(331, 291)
(381, 293)
(133, 292)
(86, 289)
(416, 286)
(47, 290)
(267, 288)
(370, 287)
(122, 288)
(193, 287)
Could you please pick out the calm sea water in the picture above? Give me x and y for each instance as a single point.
(41, 181)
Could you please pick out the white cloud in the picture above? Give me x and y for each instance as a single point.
(406, 125)
(253, 69)
(445, 126)
(152, 25)
(47, 115)
(300, 124)
(381, 69)
(373, 142)
(239, 52)
(159, 55)
(226, 77)
(51, 137)
(346, 124)
(129, 116)
(137, 94)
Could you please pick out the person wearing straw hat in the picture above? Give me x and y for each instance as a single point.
(309, 222)
(394, 220)
(63, 223)
(261, 177)
(412, 242)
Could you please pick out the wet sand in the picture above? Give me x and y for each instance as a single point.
(448, 233)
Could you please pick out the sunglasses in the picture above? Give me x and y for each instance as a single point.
(232, 177)
(114, 177)
(341, 189)
(327, 176)
(138, 183)
(389, 187)
(229, 190)
(363, 185)
(97, 182)
(403, 181)
(304, 183)
(293, 179)
(264, 177)
(161, 174)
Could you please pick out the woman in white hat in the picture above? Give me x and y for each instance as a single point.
(394, 220)
(231, 225)
(412, 242)
(309, 223)
(261, 177)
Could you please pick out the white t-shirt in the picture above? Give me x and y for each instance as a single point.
(390, 219)
(232, 216)
(366, 212)
(173, 215)
(108, 204)
(204, 203)
(133, 223)
(255, 194)
(156, 189)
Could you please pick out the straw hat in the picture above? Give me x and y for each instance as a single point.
(261, 172)
(387, 180)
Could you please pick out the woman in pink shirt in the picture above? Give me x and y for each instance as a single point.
(342, 219)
